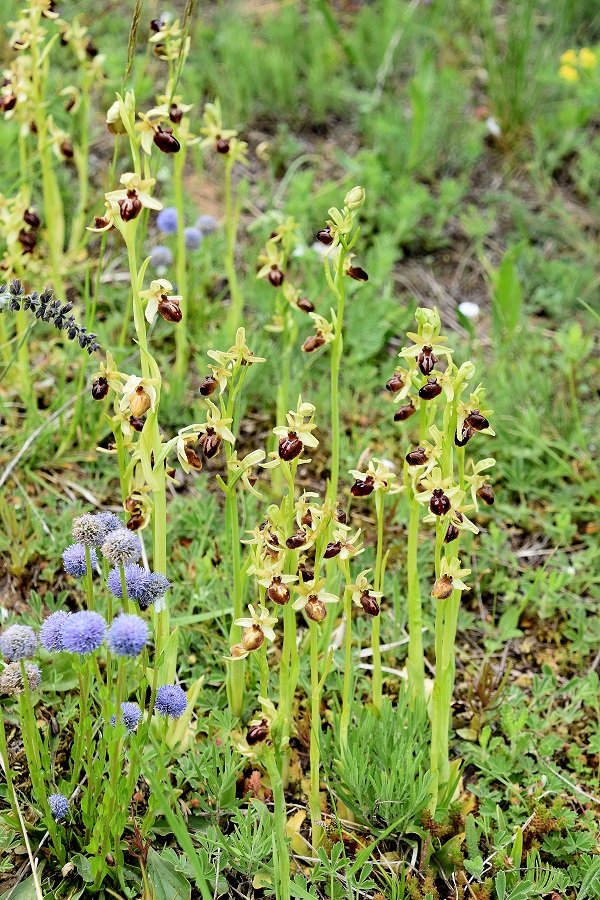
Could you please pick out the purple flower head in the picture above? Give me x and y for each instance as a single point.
(11, 678)
(90, 530)
(83, 632)
(18, 642)
(170, 701)
(135, 578)
(75, 562)
(207, 224)
(130, 716)
(112, 522)
(141, 585)
(166, 220)
(122, 547)
(161, 257)
(59, 805)
(127, 635)
(153, 589)
(51, 632)
(193, 237)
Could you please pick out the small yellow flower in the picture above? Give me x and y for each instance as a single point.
(587, 58)
(568, 73)
(569, 58)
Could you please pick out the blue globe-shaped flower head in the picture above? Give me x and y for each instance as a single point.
(90, 530)
(152, 591)
(75, 562)
(161, 257)
(135, 578)
(193, 237)
(51, 632)
(127, 635)
(59, 806)
(122, 547)
(18, 642)
(166, 220)
(112, 521)
(130, 716)
(170, 701)
(207, 224)
(83, 632)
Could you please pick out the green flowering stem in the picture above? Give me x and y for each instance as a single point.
(234, 316)
(377, 679)
(348, 675)
(415, 662)
(33, 751)
(83, 676)
(89, 582)
(126, 603)
(236, 671)
(290, 661)
(81, 161)
(6, 768)
(281, 848)
(315, 738)
(337, 286)
(53, 205)
(114, 756)
(446, 617)
(181, 330)
(159, 497)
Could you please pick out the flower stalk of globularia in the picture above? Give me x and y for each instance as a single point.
(338, 238)
(141, 395)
